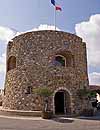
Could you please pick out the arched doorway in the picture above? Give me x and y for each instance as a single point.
(59, 102)
(62, 102)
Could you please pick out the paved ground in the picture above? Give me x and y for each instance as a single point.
(22, 123)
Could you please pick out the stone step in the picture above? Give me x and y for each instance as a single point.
(20, 113)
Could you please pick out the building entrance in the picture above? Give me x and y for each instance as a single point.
(59, 102)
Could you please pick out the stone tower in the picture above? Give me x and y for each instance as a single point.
(53, 59)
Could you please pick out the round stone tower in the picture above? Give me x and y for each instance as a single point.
(53, 59)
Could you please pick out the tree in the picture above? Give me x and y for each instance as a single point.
(45, 93)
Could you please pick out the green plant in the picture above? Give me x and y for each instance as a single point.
(82, 93)
(45, 93)
(91, 94)
(86, 93)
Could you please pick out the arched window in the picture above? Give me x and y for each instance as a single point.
(60, 60)
(11, 63)
(64, 58)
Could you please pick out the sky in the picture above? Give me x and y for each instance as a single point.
(81, 17)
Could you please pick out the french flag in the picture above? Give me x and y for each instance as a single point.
(56, 6)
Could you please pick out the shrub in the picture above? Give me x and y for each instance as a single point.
(82, 93)
(44, 92)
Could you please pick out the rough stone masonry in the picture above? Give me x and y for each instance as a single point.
(53, 59)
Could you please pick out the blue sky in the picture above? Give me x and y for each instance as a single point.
(23, 15)
(26, 14)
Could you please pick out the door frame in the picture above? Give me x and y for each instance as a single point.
(65, 90)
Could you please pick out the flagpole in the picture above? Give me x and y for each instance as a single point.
(56, 8)
(55, 18)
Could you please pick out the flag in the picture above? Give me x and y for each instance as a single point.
(53, 2)
(56, 6)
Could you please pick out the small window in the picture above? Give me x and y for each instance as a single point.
(60, 61)
(29, 90)
(66, 43)
(11, 63)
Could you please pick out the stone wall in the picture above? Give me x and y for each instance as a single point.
(34, 52)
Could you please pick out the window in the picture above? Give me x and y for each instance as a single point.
(11, 63)
(60, 61)
(29, 90)
(64, 58)
(66, 44)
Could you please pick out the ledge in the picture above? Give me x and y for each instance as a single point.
(19, 112)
